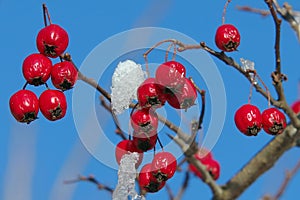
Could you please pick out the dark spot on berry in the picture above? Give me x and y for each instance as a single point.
(231, 46)
(66, 85)
(56, 113)
(50, 50)
(276, 129)
(152, 187)
(37, 81)
(29, 117)
(160, 177)
(253, 130)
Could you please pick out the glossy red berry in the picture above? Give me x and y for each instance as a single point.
(24, 106)
(52, 40)
(36, 69)
(203, 153)
(53, 104)
(144, 141)
(64, 75)
(164, 165)
(248, 120)
(185, 97)
(124, 147)
(171, 75)
(296, 106)
(147, 181)
(227, 38)
(273, 121)
(212, 166)
(151, 94)
(144, 120)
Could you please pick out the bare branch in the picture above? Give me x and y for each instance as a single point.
(263, 13)
(260, 163)
(91, 179)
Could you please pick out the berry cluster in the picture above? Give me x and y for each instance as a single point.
(207, 159)
(37, 68)
(249, 120)
(169, 85)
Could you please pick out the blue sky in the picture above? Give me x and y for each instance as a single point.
(37, 158)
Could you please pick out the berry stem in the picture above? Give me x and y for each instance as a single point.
(224, 11)
(174, 51)
(24, 87)
(46, 15)
(267, 90)
(160, 144)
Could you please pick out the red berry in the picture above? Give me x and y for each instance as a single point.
(164, 166)
(212, 166)
(248, 119)
(24, 106)
(147, 181)
(151, 94)
(185, 97)
(144, 120)
(52, 40)
(273, 121)
(203, 153)
(64, 75)
(171, 75)
(227, 37)
(53, 104)
(296, 106)
(144, 141)
(36, 69)
(124, 147)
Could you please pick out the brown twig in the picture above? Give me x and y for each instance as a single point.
(288, 177)
(189, 151)
(263, 13)
(91, 179)
(183, 186)
(116, 121)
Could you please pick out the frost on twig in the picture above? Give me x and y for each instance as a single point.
(126, 78)
(247, 66)
(126, 179)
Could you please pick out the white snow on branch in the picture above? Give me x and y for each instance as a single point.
(126, 179)
(126, 79)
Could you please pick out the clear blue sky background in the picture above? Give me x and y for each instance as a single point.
(35, 159)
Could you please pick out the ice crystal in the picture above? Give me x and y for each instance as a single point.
(126, 179)
(126, 78)
(248, 65)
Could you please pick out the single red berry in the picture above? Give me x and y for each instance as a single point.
(296, 106)
(144, 141)
(248, 119)
(24, 106)
(124, 147)
(52, 40)
(164, 166)
(64, 75)
(212, 166)
(171, 75)
(144, 120)
(53, 104)
(273, 121)
(151, 94)
(185, 97)
(36, 69)
(147, 181)
(227, 38)
(203, 153)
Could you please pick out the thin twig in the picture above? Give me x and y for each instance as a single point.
(263, 13)
(288, 176)
(115, 119)
(183, 186)
(91, 179)
(189, 151)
